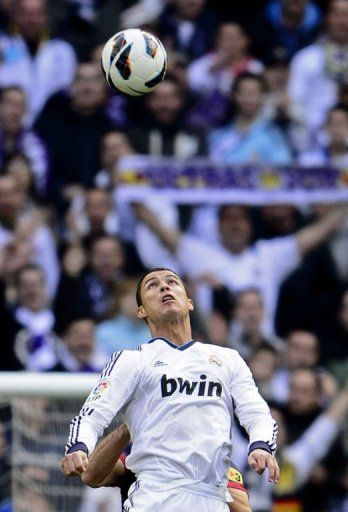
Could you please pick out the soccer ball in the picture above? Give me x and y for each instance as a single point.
(134, 61)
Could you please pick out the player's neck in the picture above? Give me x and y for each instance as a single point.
(177, 331)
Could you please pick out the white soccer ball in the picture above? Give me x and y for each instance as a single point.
(134, 61)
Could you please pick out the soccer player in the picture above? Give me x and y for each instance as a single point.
(103, 471)
(177, 398)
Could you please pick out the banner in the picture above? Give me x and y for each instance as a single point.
(201, 180)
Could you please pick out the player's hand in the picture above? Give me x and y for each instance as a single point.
(259, 460)
(74, 464)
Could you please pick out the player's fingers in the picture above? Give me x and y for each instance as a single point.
(67, 466)
(252, 462)
(79, 462)
(261, 463)
(273, 470)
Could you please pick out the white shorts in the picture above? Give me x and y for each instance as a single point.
(150, 497)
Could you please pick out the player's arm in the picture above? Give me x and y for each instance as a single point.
(316, 233)
(170, 238)
(238, 492)
(254, 415)
(118, 381)
(102, 469)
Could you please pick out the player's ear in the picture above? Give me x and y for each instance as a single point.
(191, 305)
(141, 312)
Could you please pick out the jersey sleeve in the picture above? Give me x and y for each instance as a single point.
(114, 389)
(251, 409)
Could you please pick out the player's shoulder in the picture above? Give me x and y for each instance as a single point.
(223, 353)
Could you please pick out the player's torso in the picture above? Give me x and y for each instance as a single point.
(180, 414)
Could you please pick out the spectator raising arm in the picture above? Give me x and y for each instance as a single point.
(313, 235)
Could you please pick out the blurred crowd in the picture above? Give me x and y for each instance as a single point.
(264, 81)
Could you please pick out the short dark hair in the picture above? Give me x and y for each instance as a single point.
(247, 75)
(142, 277)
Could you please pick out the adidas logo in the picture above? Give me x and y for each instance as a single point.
(159, 363)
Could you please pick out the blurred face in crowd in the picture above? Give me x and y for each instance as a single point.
(98, 206)
(337, 128)
(12, 110)
(165, 102)
(276, 77)
(106, 258)
(294, 8)
(31, 18)
(9, 200)
(189, 10)
(16, 254)
(126, 299)
(304, 396)
(302, 350)
(31, 289)
(88, 91)
(235, 228)
(337, 21)
(263, 364)
(232, 40)
(249, 310)
(343, 313)
(19, 169)
(114, 145)
(248, 98)
(80, 340)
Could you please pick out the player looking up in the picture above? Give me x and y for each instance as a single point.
(177, 398)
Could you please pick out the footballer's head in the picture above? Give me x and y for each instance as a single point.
(162, 295)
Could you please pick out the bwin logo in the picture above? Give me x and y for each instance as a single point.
(202, 388)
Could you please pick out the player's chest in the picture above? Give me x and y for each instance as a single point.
(178, 376)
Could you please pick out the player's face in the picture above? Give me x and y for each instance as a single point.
(163, 297)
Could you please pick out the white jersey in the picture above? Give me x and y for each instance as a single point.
(178, 404)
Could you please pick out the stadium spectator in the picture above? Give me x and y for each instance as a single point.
(35, 343)
(304, 407)
(15, 138)
(124, 330)
(302, 350)
(72, 127)
(217, 70)
(334, 339)
(307, 296)
(233, 261)
(162, 131)
(91, 215)
(16, 221)
(31, 60)
(263, 363)
(249, 138)
(113, 146)
(332, 146)
(286, 27)
(188, 27)
(88, 290)
(248, 331)
(77, 350)
(280, 108)
(211, 76)
(317, 71)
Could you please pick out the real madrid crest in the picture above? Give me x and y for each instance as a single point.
(213, 359)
